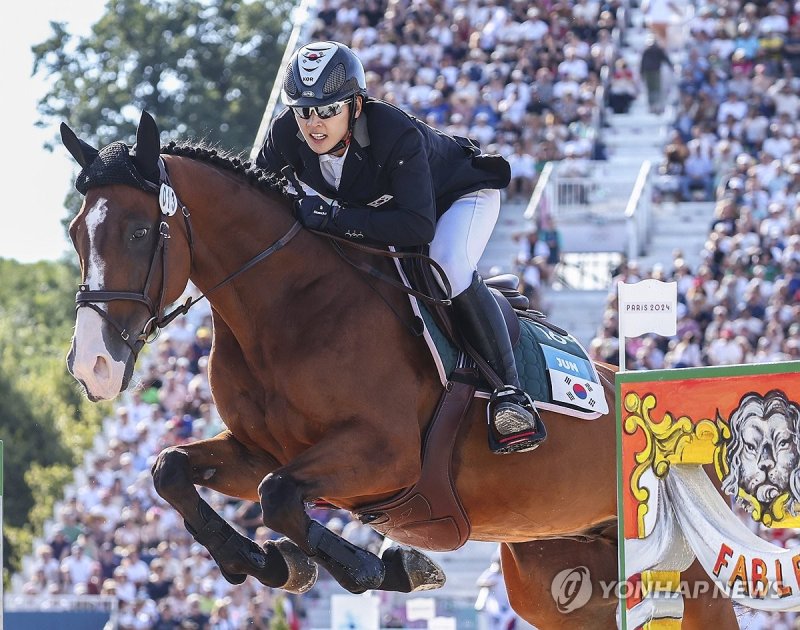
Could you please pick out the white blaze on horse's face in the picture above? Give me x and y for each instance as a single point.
(91, 361)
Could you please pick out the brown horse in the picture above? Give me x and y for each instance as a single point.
(324, 392)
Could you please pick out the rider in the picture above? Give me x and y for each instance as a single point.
(373, 173)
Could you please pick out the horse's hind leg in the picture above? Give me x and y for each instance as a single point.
(583, 599)
(223, 464)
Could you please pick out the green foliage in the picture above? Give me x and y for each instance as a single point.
(15, 539)
(278, 621)
(39, 479)
(203, 68)
(45, 422)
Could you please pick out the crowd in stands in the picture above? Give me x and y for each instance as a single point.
(734, 124)
(735, 142)
(522, 78)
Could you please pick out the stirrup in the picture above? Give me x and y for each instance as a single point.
(514, 424)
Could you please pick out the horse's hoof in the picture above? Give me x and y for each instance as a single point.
(423, 573)
(302, 570)
(419, 572)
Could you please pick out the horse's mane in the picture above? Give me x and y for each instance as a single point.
(264, 179)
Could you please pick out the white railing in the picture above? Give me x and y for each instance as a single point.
(587, 271)
(65, 603)
(538, 202)
(302, 20)
(580, 190)
(638, 213)
(608, 209)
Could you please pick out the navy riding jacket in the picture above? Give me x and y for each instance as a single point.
(400, 175)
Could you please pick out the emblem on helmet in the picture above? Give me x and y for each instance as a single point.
(312, 60)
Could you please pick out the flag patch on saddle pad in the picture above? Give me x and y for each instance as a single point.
(577, 391)
(573, 380)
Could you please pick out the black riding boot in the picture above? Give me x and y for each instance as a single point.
(514, 424)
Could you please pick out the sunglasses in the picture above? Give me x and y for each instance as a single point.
(323, 111)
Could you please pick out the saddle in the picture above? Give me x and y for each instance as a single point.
(429, 515)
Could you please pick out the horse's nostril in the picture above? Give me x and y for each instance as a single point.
(101, 370)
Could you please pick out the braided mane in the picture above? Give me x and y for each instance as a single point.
(266, 180)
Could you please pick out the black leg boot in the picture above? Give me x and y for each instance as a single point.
(514, 424)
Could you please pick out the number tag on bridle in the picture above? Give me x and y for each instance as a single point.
(168, 200)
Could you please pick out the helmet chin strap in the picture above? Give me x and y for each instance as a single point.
(345, 141)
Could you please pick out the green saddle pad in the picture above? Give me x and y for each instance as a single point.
(553, 369)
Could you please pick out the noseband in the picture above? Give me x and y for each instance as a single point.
(168, 203)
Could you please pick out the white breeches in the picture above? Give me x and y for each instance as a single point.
(462, 234)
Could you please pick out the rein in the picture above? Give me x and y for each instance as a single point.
(375, 273)
(168, 202)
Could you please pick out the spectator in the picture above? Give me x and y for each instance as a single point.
(684, 352)
(76, 567)
(658, 15)
(698, 174)
(523, 173)
(652, 59)
(47, 564)
(623, 88)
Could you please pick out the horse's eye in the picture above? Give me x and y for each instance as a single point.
(140, 233)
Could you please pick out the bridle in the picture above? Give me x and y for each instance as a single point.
(159, 318)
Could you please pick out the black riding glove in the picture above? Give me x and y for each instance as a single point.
(313, 212)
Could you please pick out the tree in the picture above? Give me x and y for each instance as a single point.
(203, 68)
(45, 423)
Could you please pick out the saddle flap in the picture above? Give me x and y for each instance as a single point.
(510, 317)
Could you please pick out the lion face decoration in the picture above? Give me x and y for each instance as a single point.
(764, 450)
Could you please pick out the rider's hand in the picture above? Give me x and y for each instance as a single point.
(313, 212)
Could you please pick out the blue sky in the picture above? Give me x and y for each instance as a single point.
(35, 181)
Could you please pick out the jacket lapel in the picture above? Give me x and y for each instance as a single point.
(357, 157)
(353, 165)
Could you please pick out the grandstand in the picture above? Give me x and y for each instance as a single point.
(600, 194)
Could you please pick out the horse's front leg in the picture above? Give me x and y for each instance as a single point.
(223, 464)
(326, 470)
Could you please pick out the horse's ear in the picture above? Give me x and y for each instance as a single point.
(83, 153)
(148, 148)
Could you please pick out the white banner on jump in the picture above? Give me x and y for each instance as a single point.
(649, 306)
(752, 571)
